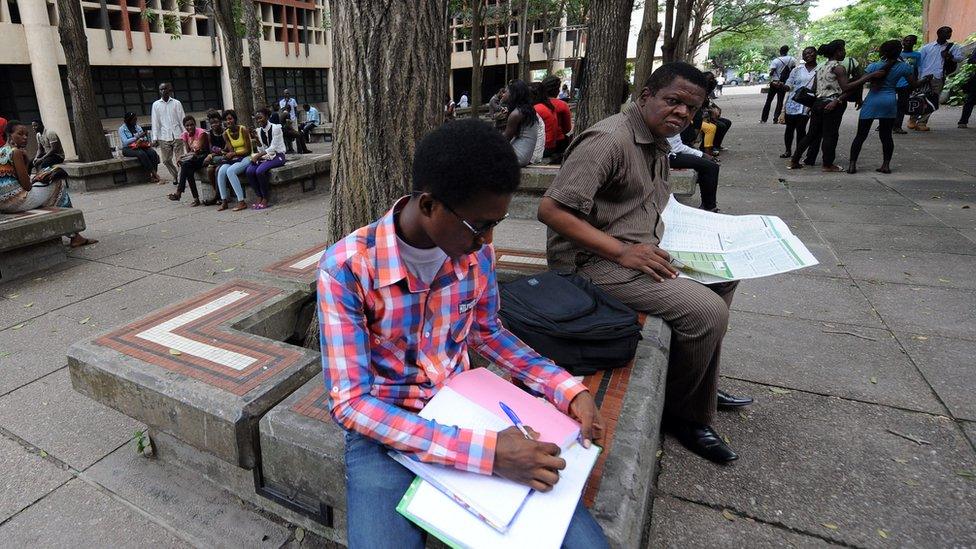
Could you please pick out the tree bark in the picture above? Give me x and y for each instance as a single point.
(477, 32)
(524, 43)
(606, 59)
(677, 21)
(387, 55)
(90, 143)
(252, 24)
(234, 57)
(646, 44)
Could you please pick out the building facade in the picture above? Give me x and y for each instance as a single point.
(134, 45)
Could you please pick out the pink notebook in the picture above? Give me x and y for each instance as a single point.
(484, 388)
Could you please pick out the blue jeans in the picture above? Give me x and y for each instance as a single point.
(231, 172)
(374, 485)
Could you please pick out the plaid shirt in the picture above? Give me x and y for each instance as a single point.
(389, 343)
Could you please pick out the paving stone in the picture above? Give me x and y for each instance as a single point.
(52, 416)
(79, 515)
(679, 524)
(924, 309)
(858, 236)
(798, 467)
(284, 242)
(870, 368)
(110, 244)
(128, 302)
(185, 501)
(952, 212)
(809, 297)
(213, 267)
(521, 234)
(37, 349)
(53, 290)
(922, 184)
(949, 366)
(163, 254)
(881, 215)
(969, 428)
(879, 196)
(943, 270)
(776, 202)
(209, 231)
(27, 477)
(827, 266)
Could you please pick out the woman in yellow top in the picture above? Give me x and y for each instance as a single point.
(238, 154)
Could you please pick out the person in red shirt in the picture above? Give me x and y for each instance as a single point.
(3, 131)
(564, 118)
(547, 112)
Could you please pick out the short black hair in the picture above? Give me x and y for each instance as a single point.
(890, 49)
(783, 50)
(232, 113)
(306, 106)
(188, 118)
(666, 73)
(461, 160)
(11, 126)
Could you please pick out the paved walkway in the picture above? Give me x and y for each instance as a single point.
(848, 361)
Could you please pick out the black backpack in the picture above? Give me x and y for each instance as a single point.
(566, 318)
(949, 64)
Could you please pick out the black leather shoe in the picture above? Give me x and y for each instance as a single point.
(726, 400)
(701, 440)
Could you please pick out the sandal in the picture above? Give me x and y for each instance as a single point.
(83, 242)
(175, 197)
(223, 206)
(240, 206)
(195, 203)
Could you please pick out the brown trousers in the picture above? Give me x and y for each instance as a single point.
(698, 315)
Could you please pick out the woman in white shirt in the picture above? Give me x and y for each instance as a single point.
(270, 154)
(796, 115)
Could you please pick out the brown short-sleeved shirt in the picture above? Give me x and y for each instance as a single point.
(616, 176)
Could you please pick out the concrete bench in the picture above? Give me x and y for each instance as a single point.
(301, 175)
(225, 395)
(323, 131)
(104, 174)
(31, 241)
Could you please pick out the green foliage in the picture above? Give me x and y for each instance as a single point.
(865, 24)
(764, 34)
(755, 61)
(955, 83)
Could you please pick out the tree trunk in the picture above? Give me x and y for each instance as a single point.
(646, 44)
(385, 54)
(524, 43)
(90, 143)
(477, 30)
(252, 23)
(234, 57)
(676, 26)
(606, 60)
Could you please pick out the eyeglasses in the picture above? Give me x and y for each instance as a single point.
(477, 233)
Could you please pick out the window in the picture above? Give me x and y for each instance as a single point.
(306, 85)
(133, 89)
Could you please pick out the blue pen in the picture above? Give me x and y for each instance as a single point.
(515, 419)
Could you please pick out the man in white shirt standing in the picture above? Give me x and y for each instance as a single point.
(935, 56)
(705, 165)
(167, 126)
(779, 71)
(464, 103)
(288, 103)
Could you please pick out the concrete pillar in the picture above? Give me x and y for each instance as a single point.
(225, 91)
(560, 63)
(44, 52)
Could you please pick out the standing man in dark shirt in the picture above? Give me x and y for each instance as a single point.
(604, 216)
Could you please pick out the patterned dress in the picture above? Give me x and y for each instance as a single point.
(14, 199)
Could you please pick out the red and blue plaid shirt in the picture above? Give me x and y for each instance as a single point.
(389, 342)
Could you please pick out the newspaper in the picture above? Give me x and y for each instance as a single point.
(711, 247)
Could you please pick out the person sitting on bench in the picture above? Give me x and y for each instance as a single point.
(604, 216)
(704, 164)
(400, 301)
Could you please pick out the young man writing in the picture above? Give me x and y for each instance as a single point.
(604, 215)
(400, 302)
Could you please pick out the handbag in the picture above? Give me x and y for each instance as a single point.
(805, 96)
(922, 102)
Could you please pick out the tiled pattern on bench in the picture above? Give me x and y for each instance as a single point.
(301, 266)
(524, 261)
(185, 339)
(315, 404)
